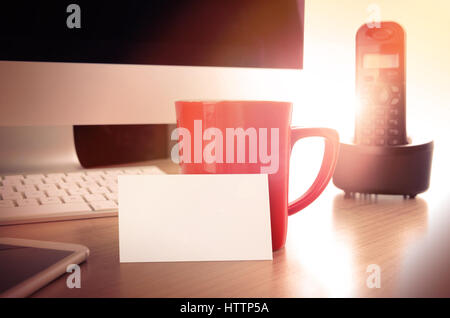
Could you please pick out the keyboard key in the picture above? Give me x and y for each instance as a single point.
(53, 180)
(6, 204)
(93, 189)
(111, 182)
(88, 184)
(379, 131)
(27, 202)
(94, 197)
(73, 179)
(97, 179)
(34, 194)
(114, 188)
(104, 205)
(78, 191)
(42, 210)
(35, 176)
(32, 181)
(11, 195)
(112, 196)
(50, 200)
(56, 193)
(68, 186)
(379, 141)
(72, 199)
(8, 188)
(47, 187)
(111, 177)
(102, 183)
(114, 173)
(93, 173)
(89, 179)
(15, 177)
(23, 188)
(132, 171)
(12, 182)
(99, 190)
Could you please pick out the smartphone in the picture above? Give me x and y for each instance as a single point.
(380, 85)
(28, 265)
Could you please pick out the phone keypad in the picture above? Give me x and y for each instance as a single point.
(393, 132)
(393, 122)
(381, 121)
(393, 112)
(395, 101)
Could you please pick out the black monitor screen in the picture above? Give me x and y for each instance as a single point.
(239, 33)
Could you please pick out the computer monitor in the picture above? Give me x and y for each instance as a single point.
(130, 60)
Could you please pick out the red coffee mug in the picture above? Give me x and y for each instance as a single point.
(233, 137)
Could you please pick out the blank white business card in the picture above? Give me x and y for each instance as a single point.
(170, 218)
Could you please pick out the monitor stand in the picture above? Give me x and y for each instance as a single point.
(37, 149)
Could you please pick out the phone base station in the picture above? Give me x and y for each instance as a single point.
(397, 170)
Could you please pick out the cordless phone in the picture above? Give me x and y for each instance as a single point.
(380, 85)
(381, 159)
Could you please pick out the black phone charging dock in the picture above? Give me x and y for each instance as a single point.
(402, 170)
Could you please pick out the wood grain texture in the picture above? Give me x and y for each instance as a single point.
(329, 246)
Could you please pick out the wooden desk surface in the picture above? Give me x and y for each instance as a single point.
(329, 246)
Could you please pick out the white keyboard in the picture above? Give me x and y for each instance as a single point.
(62, 196)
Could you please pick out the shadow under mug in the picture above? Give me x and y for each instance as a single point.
(246, 137)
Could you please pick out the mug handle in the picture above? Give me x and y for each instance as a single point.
(326, 170)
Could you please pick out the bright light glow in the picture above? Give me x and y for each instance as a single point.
(329, 60)
(325, 89)
(327, 258)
